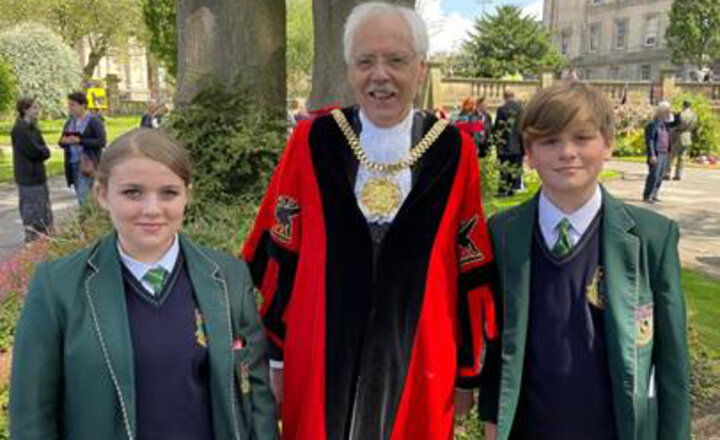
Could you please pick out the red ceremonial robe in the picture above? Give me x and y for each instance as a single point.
(374, 341)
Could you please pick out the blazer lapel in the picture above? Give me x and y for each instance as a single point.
(621, 253)
(210, 290)
(106, 302)
(516, 246)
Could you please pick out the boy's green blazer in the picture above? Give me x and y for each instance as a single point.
(645, 321)
(72, 374)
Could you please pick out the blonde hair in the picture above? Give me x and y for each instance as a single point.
(553, 110)
(149, 143)
(468, 105)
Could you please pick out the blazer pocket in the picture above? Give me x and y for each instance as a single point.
(242, 357)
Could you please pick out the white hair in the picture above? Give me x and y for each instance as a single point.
(365, 11)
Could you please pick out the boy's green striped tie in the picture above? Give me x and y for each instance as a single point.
(563, 245)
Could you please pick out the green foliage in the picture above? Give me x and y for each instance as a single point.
(8, 316)
(507, 43)
(234, 142)
(631, 144)
(44, 66)
(159, 17)
(7, 86)
(694, 31)
(100, 24)
(469, 428)
(706, 136)
(299, 52)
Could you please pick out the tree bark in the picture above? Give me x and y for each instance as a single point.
(329, 79)
(152, 74)
(93, 60)
(232, 40)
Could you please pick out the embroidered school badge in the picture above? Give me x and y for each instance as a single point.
(200, 335)
(287, 208)
(244, 378)
(644, 324)
(594, 293)
(469, 251)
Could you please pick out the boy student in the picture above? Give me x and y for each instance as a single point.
(593, 343)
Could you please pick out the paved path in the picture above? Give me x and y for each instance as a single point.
(694, 202)
(12, 237)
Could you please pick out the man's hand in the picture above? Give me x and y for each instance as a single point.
(653, 160)
(276, 385)
(464, 401)
(490, 431)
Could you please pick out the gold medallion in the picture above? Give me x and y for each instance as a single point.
(381, 196)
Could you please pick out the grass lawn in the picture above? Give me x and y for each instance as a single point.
(51, 130)
(702, 294)
(53, 166)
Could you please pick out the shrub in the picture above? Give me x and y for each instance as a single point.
(706, 136)
(631, 144)
(234, 142)
(44, 66)
(7, 86)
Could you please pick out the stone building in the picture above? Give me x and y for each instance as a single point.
(612, 39)
(138, 77)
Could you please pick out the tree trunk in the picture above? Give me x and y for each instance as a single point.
(232, 40)
(93, 60)
(152, 75)
(329, 80)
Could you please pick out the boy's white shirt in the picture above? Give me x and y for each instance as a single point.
(550, 215)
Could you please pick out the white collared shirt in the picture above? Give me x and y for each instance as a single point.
(550, 215)
(139, 269)
(385, 145)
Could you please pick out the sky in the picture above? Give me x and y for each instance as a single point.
(449, 21)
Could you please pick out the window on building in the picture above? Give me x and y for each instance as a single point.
(565, 43)
(645, 70)
(594, 38)
(621, 28)
(596, 2)
(614, 72)
(652, 26)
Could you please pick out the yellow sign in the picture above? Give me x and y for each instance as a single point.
(97, 98)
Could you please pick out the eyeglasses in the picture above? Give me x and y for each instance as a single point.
(393, 61)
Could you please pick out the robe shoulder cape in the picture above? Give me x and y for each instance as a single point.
(373, 345)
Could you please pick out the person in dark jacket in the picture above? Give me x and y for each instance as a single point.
(509, 149)
(486, 119)
(29, 154)
(83, 139)
(657, 149)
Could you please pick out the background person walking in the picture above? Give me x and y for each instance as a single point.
(687, 123)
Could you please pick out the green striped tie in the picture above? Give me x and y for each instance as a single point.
(155, 277)
(563, 245)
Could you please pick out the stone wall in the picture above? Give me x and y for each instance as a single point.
(449, 92)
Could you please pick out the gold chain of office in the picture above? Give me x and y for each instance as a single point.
(391, 168)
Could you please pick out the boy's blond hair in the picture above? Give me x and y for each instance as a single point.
(555, 109)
